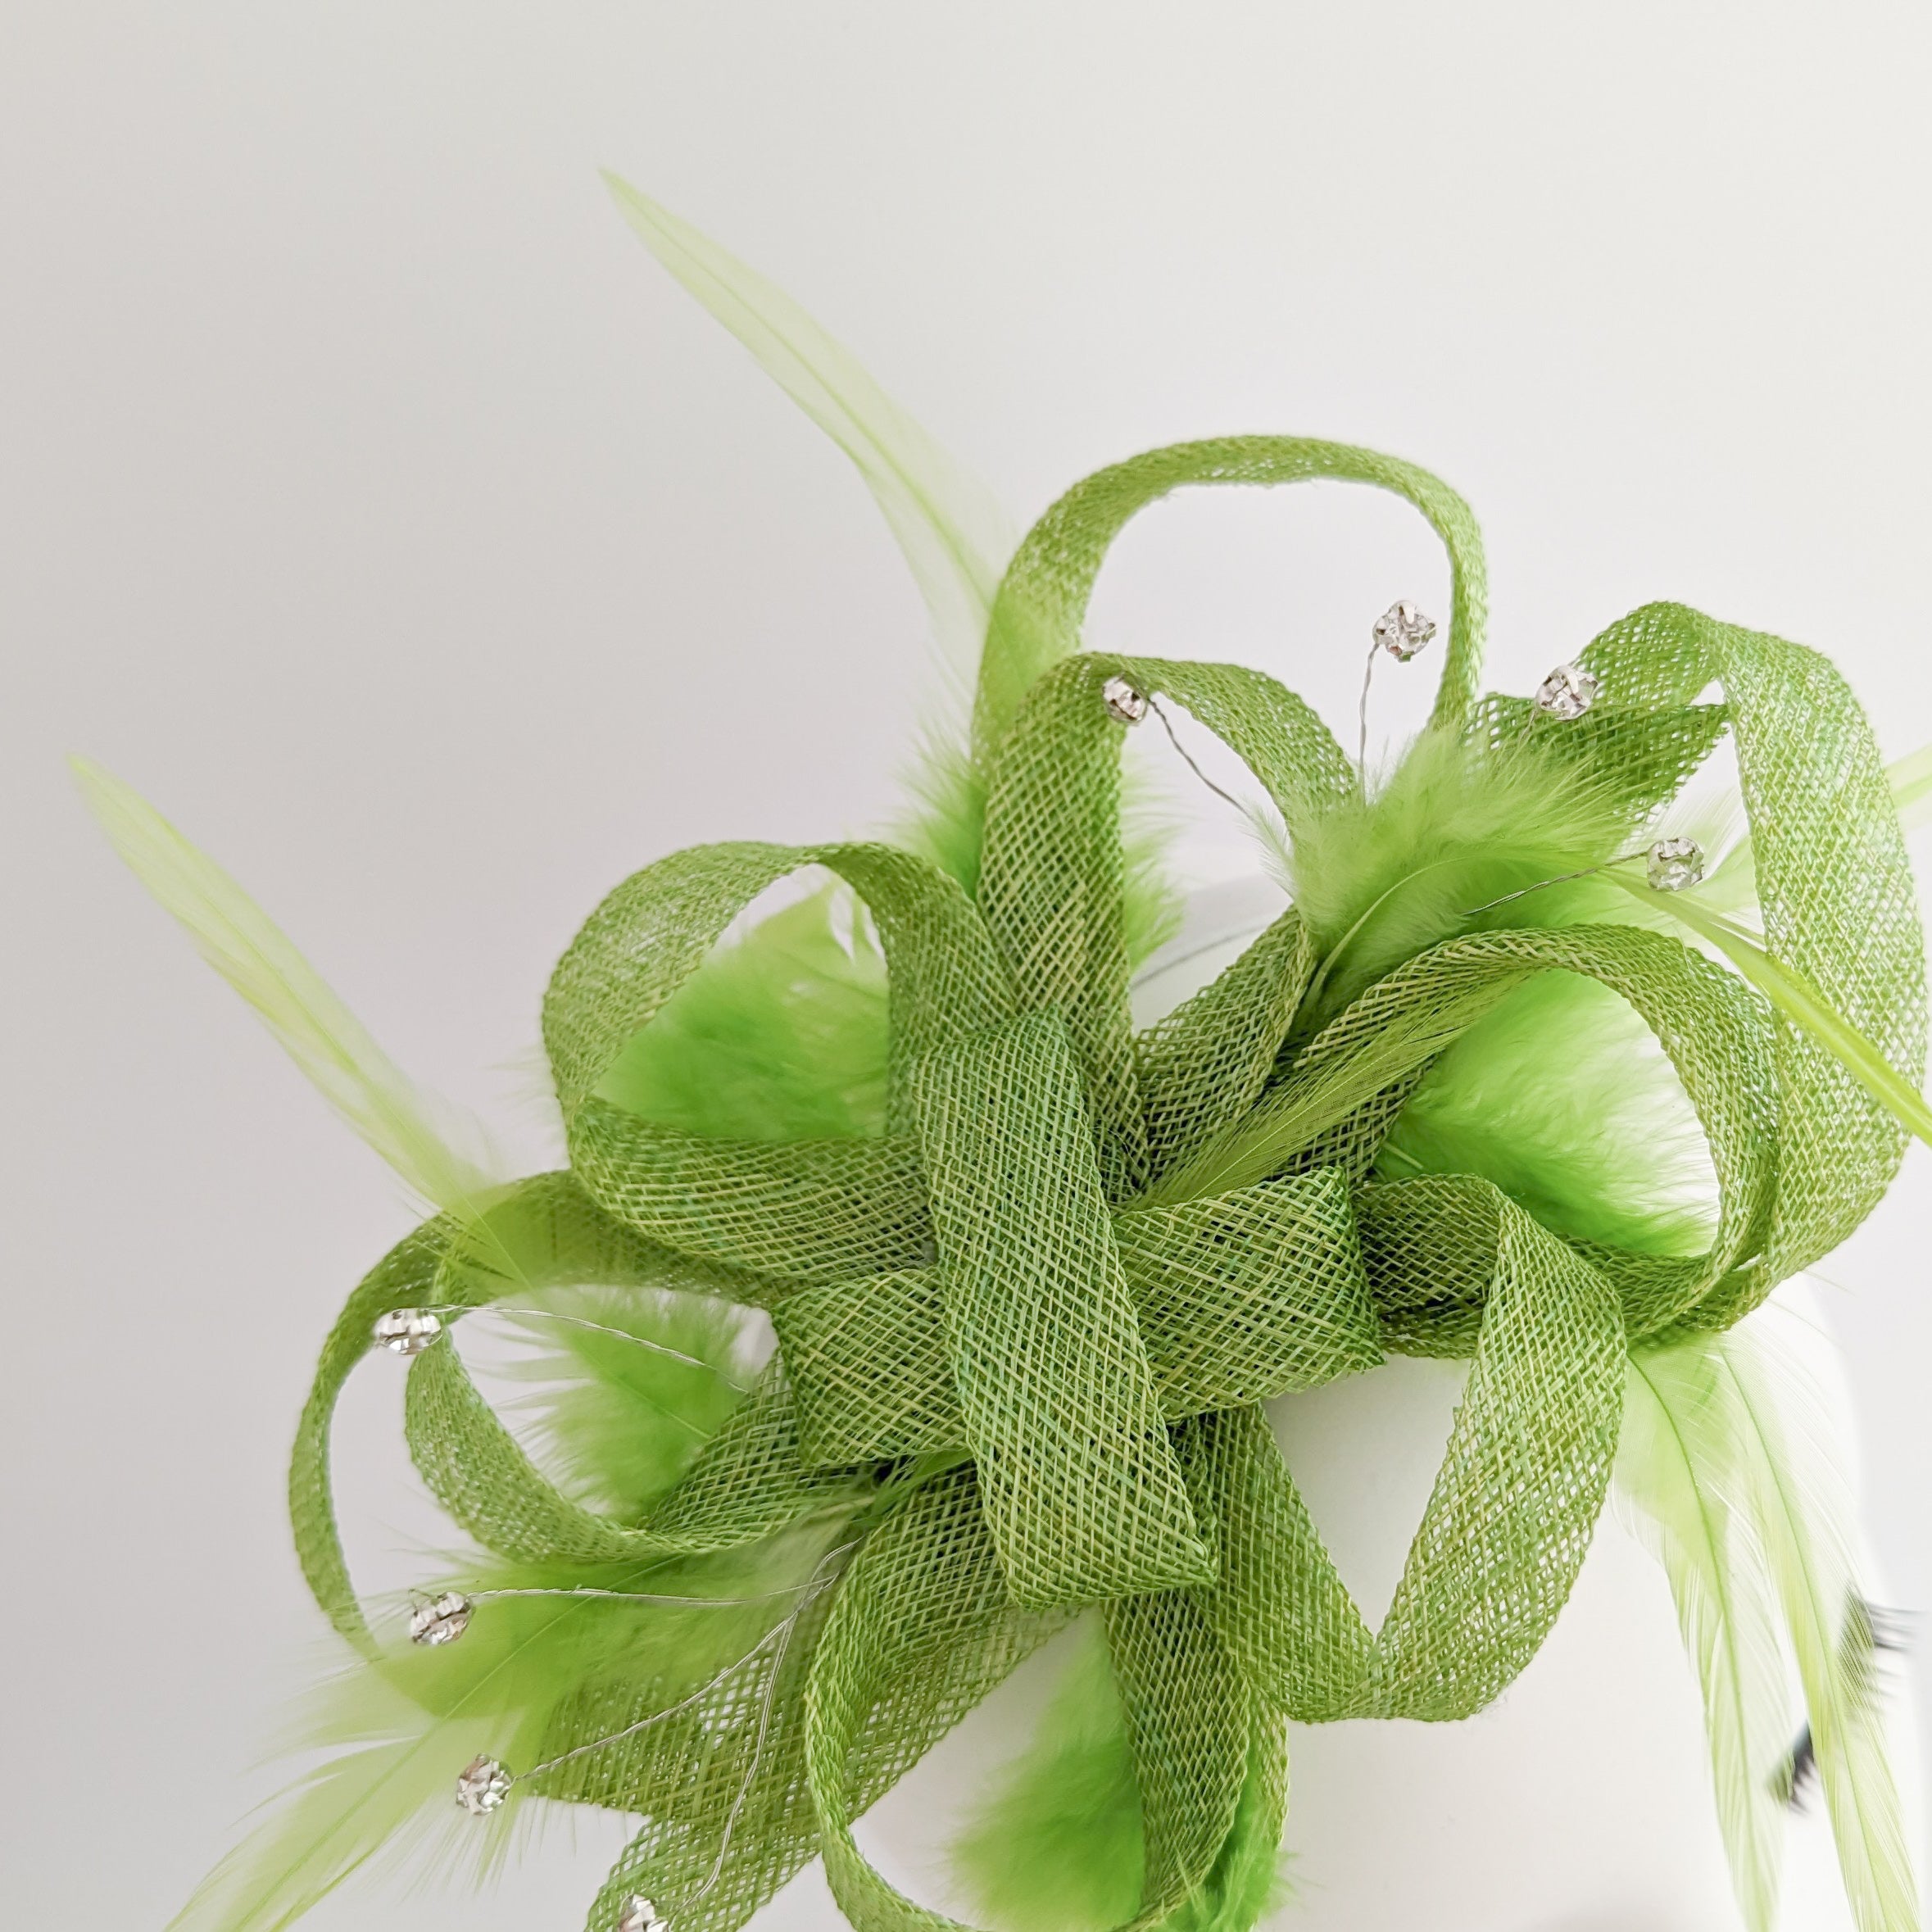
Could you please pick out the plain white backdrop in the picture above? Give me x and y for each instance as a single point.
(371, 501)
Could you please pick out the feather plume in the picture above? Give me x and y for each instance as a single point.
(1735, 1471)
(954, 537)
(1803, 1500)
(780, 1035)
(515, 1687)
(1801, 1003)
(1381, 877)
(1248, 1882)
(1056, 1843)
(631, 1384)
(417, 1135)
(1564, 1098)
(1683, 1487)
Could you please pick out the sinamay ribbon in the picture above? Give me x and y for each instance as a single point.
(1025, 1335)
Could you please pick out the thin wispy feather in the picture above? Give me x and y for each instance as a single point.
(1731, 886)
(416, 1134)
(1735, 1469)
(1804, 1513)
(955, 536)
(396, 1733)
(1685, 1487)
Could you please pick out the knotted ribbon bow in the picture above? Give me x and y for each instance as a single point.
(1025, 1336)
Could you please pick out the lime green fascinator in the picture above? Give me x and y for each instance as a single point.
(902, 1304)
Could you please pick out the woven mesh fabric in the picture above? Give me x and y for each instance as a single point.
(1025, 1334)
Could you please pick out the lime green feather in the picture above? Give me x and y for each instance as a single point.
(1735, 1468)
(954, 535)
(1804, 1512)
(1731, 887)
(1382, 876)
(1247, 1882)
(416, 1135)
(1800, 1002)
(516, 1686)
(1685, 1485)
(1055, 1845)
(632, 1383)
(1562, 1097)
(780, 1035)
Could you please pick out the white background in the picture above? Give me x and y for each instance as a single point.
(370, 500)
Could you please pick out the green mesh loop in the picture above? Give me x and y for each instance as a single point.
(1043, 597)
(1840, 906)
(545, 1233)
(1504, 1532)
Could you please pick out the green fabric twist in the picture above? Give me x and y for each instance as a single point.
(1025, 1334)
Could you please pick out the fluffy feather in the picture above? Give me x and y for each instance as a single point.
(632, 1383)
(1055, 1843)
(1247, 1882)
(1563, 1098)
(780, 1035)
(1381, 876)
(396, 1733)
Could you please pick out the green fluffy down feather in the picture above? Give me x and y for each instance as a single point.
(781, 1035)
(1056, 1843)
(1381, 876)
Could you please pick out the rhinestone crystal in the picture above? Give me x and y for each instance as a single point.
(1567, 692)
(1402, 630)
(483, 1786)
(640, 1915)
(1124, 704)
(440, 1620)
(1675, 863)
(407, 1331)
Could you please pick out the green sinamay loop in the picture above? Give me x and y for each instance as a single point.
(1024, 1334)
(1043, 598)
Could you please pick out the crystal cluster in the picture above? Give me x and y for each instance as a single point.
(1675, 863)
(1402, 630)
(440, 1620)
(481, 1786)
(1124, 704)
(1567, 692)
(407, 1331)
(640, 1915)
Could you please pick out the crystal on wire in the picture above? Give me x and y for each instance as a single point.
(406, 1332)
(483, 1785)
(1401, 630)
(440, 1620)
(640, 1915)
(1125, 704)
(1675, 863)
(1567, 692)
